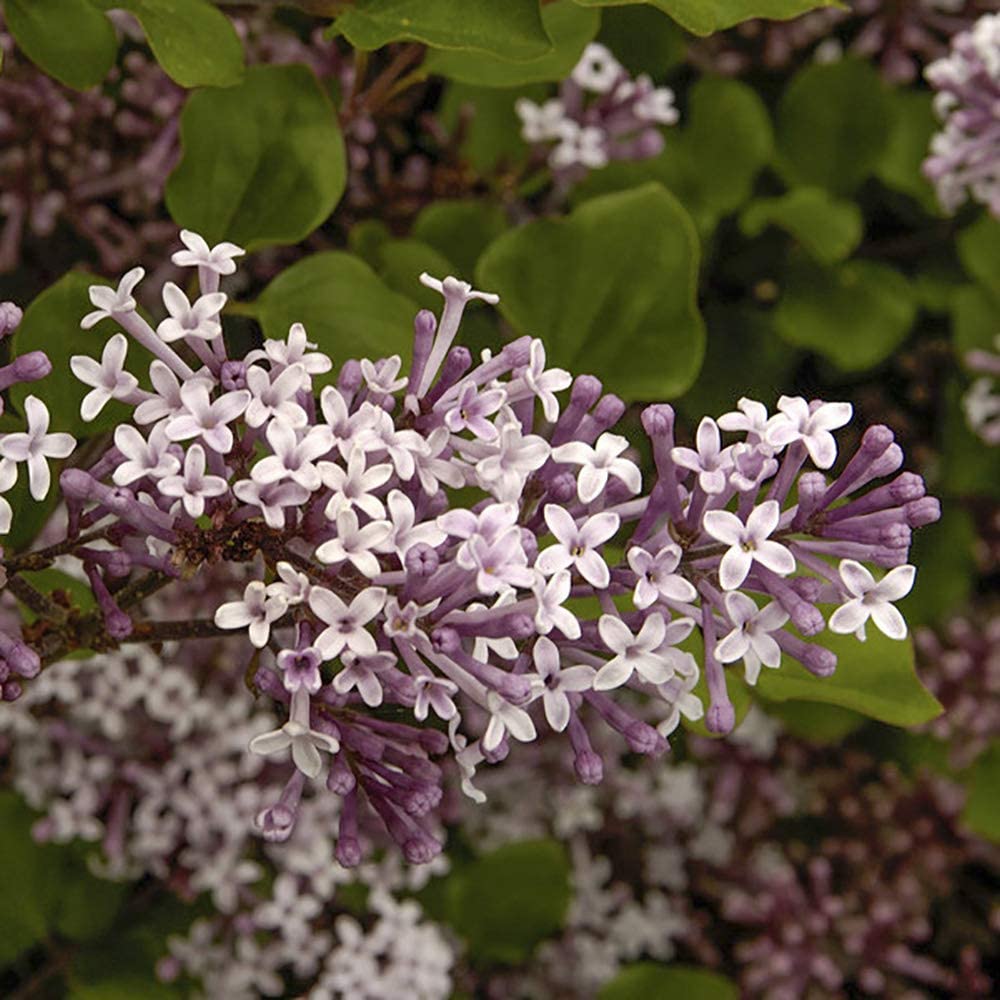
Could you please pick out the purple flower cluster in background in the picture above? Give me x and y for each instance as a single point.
(601, 114)
(964, 159)
(900, 35)
(373, 584)
(982, 401)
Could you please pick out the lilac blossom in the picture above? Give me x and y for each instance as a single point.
(964, 160)
(601, 114)
(429, 562)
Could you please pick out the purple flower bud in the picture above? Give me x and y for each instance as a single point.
(589, 767)
(340, 779)
(644, 739)
(609, 411)
(422, 561)
(924, 511)
(421, 849)
(562, 488)
(348, 852)
(233, 375)
(499, 752)
(30, 367)
(720, 718)
(658, 419)
(10, 318)
(350, 378)
(585, 392)
(11, 691)
(21, 659)
(446, 640)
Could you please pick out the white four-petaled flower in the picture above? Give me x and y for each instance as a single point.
(107, 378)
(872, 599)
(36, 446)
(748, 543)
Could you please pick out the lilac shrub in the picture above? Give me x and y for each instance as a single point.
(376, 584)
(964, 161)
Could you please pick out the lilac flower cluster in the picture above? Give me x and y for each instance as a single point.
(93, 161)
(982, 401)
(900, 36)
(964, 160)
(960, 665)
(600, 115)
(701, 861)
(379, 586)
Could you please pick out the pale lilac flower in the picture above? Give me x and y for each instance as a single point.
(750, 638)
(711, 461)
(346, 623)
(354, 544)
(190, 319)
(198, 254)
(272, 498)
(205, 419)
(112, 302)
(471, 409)
(800, 422)
(655, 104)
(383, 378)
(294, 456)
(545, 383)
(679, 694)
(109, 380)
(402, 621)
(506, 718)
(405, 531)
(633, 653)
(354, 485)
(750, 417)
(872, 600)
(577, 546)
(152, 458)
(748, 543)
(540, 122)
(552, 683)
(598, 463)
(361, 672)
(275, 398)
(305, 743)
(505, 469)
(166, 402)
(597, 70)
(436, 693)
(256, 610)
(551, 595)
(499, 565)
(580, 147)
(656, 577)
(293, 586)
(293, 351)
(300, 669)
(36, 446)
(193, 487)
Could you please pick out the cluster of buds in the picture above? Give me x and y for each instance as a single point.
(901, 36)
(600, 115)
(94, 162)
(381, 585)
(964, 160)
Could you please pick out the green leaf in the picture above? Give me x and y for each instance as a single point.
(711, 163)
(193, 41)
(855, 314)
(400, 264)
(46, 887)
(818, 723)
(345, 307)
(945, 554)
(460, 231)
(912, 125)
(828, 228)
(702, 17)
(49, 580)
(648, 980)
(68, 39)
(511, 30)
(569, 26)
(876, 678)
(642, 40)
(263, 162)
(982, 808)
(975, 319)
(492, 130)
(610, 289)
(833, 125)
(506, 902)
(51, 324)
(979, 250)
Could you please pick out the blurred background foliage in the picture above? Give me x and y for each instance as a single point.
(785, 240)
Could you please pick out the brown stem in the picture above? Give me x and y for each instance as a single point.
(43, 558)
(40, 603)
(380, 90)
